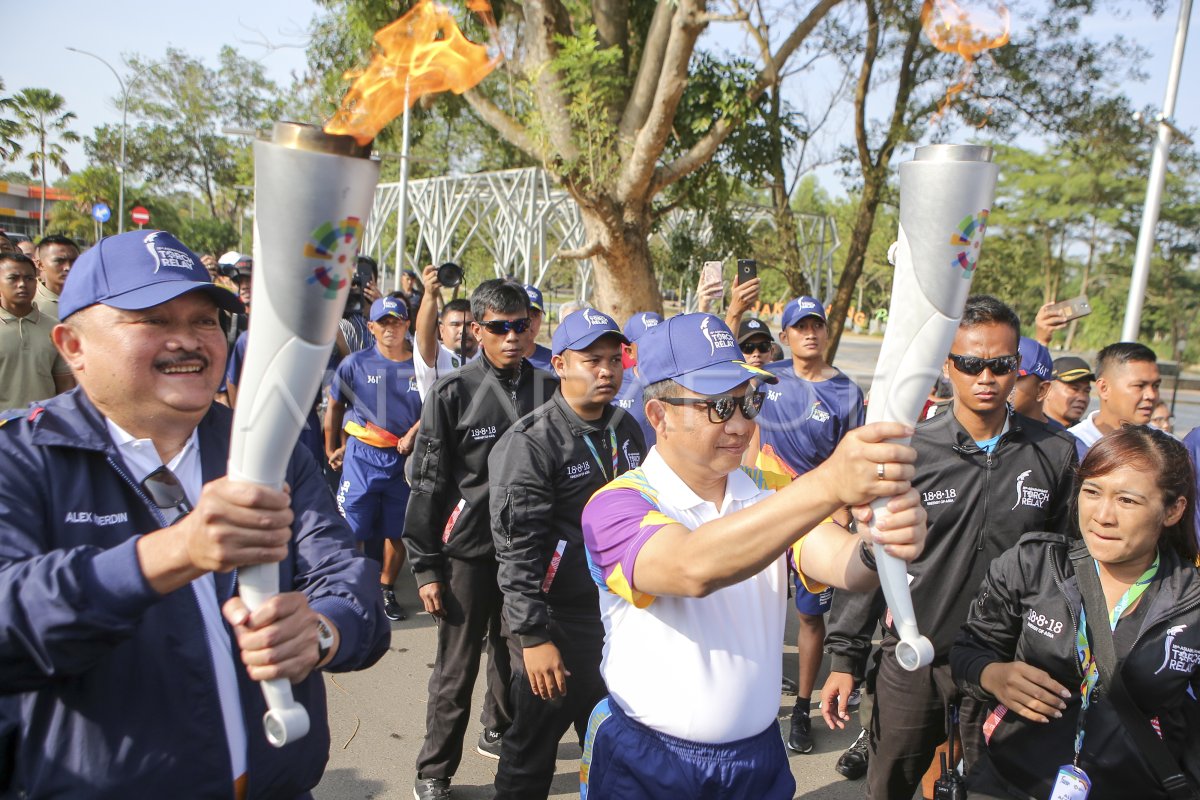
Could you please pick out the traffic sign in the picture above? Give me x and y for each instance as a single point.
(139, 215)
(101, 212)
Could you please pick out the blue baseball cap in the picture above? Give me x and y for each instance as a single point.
(535, 297)
(1035, 359)
(388, 306)
(641, 322)
(698, 352)
(137, 270)
(580, 328)
(800, 308)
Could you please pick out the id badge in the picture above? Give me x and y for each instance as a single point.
(1072, 784)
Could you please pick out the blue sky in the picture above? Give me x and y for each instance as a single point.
(38, 31)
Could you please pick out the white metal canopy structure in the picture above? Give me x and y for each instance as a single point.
(525, 223)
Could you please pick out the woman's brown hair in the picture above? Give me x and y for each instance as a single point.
(1145, 448)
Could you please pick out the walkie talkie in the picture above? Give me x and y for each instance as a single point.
(949, 785)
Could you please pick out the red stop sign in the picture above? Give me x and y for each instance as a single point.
(139, 215)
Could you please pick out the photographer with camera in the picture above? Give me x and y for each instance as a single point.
(442, 344)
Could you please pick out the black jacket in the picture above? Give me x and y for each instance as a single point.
(464, 415)
(1028, 610)
(543, 473)
(979, 504)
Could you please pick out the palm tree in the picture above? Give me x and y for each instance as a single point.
(10, 129)
(40, 115)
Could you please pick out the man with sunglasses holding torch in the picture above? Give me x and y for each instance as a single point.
(130, 656)
(986, 476)
(447, 530)
(689, 554)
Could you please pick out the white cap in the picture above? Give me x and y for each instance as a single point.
(230, 258)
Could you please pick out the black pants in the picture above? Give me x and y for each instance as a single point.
(530, 747)
(909, 722)
(471, 598)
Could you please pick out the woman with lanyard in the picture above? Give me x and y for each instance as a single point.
(1089, 648)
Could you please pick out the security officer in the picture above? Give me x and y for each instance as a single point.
(543, 472)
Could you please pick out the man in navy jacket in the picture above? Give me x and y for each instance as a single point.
(127, 661)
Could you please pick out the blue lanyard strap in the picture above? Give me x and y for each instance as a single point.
(1091, 671)
(612, 438)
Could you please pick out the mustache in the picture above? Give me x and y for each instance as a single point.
(185, 357)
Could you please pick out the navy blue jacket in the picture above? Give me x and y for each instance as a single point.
(109, 683)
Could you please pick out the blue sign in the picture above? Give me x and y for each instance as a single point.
(101, 212)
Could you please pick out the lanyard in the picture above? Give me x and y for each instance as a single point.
(1091, 672)
(612, 437)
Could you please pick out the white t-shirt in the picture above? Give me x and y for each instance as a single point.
(1086, 432)
(141, 457)
(703, 669)
(447, 362)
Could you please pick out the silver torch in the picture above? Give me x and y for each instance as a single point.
(946, 193)
(312, 196)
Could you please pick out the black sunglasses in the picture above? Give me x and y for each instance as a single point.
(751, 347)
(501, 327)
(973, 365)
(167, 492)
(721, 407)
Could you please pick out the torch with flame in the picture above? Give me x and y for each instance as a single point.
(954, 28)
(945, 195)
(312, 194)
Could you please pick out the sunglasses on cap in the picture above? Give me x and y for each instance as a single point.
(973, 365)
(167, 493)
(501, 327)
(751, 347)
(721, 407)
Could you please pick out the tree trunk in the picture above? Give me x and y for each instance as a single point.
(785, 218)
(856, 256)
(623, 276)
(1083, 284)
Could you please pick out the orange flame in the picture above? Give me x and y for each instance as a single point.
(421, 53)
(952, 28)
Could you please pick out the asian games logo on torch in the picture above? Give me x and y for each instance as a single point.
(970, 237)
(337, 246)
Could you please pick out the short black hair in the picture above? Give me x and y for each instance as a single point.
(1121, 353)
(983, 309)
(457, 304)
(499, 295)
(18, 257)
(56, 238)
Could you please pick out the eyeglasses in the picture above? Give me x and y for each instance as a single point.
(501, 327)
(167, 492)
(973, 365)
(752, 347)
(721, 407)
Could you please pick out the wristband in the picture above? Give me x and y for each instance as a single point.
(866, 554)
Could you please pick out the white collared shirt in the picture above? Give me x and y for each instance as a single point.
(141, 458)
(1086, 432)
(704, 669)
(447, 362)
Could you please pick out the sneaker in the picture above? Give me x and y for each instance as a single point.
(854, 699)
(392, 609)
(432, 789)
(489, 744)
(852, 764)
(800, 737)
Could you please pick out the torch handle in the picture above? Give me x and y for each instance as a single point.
(913, 651)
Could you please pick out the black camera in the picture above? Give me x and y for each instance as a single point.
(365, 271)
(450, 275)
(238, 269)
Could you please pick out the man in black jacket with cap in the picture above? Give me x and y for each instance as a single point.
(447, 529)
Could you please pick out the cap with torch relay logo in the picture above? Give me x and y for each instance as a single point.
(137, 270)
(697, 351)
(800, 308)
(641, 322)
(579, 329)
(388, 306)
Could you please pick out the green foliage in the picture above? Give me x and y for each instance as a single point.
(207, 234)
(10, 128)
(591, 77)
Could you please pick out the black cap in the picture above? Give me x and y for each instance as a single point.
(753, 327)
(1070, 369)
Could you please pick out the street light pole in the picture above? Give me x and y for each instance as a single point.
(1158, 178)
(124, 123)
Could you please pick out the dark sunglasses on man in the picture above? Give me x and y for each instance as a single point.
(167, 493)
(751, 347)
(721, 407)
(501, 327)
(974, 365)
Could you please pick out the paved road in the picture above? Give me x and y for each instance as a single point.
(377, 722)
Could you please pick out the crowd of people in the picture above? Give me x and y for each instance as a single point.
(620, 521)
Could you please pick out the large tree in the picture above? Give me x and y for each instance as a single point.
(41, 116)
(592, 90)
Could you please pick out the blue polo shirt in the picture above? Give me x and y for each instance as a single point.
(378, 390)
(630, 399)
(540, 358)
(802, 421)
